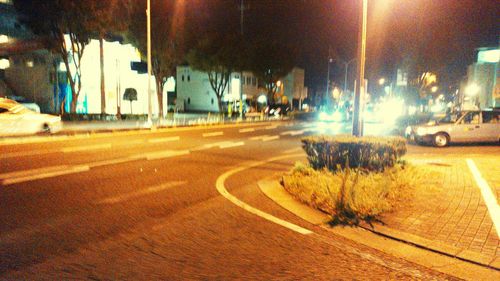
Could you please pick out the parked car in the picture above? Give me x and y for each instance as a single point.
(16, 119)
(462, 127)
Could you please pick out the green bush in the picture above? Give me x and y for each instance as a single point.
(365, 153)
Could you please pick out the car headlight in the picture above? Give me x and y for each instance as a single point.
(421, 131)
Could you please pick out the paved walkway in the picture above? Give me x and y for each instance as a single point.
(450, 215)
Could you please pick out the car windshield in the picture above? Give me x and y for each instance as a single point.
(19, 109)
(449, 118)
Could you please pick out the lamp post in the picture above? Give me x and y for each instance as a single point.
(150, 106)
(345, 76)
(358, 97)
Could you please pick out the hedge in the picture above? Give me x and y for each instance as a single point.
(366, 153)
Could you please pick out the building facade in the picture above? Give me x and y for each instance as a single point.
(482, 89)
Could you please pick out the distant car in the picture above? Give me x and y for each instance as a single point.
(463, 127)
(16, 119)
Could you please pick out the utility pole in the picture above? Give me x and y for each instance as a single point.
(328, 74)
(357, 116)
(150, 106)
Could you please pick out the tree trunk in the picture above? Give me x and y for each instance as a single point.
(219, 102)
(159, 94)
(103, 89)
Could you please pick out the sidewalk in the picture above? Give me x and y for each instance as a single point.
(451, 218)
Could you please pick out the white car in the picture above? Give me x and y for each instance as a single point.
(468, 126)
(15, 119)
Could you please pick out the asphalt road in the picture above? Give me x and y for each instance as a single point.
(144, 205)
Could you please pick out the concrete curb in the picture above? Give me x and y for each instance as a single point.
(80, 134)
(273, 189)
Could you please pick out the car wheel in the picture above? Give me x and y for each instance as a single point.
(441, 140)
(46, 129)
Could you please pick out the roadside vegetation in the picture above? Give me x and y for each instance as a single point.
(354, 179)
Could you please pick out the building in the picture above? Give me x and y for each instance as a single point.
(482, 89)
(194, 92)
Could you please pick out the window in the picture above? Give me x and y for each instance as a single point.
(254, 81)
(212, 100)
(189, 100)
(249, 80)
(242, 80)
(189, 78)
(471, 118)
(490, 117)
(182, 78)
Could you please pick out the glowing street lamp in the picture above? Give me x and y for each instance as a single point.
(381, 81)
(434, 89)
(472, 90)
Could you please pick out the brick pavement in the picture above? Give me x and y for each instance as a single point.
(449, 211)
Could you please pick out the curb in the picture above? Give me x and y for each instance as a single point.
(77, 134)
(273, 190)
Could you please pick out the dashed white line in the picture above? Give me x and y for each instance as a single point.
(132, 195)
(258, 137)
(32, 171)
(167, 139)
(85, 148)
(165, 154)
(231, 144)
(213, 134)
(293, 133)
(246, 130)
(69, 170)
(272, 127)
(489, 198)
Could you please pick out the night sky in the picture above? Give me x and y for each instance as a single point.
(433, 35)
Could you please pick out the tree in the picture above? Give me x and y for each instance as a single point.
(270, 60)
(218, 56)
(108, 18)
(167, 51)
(55, 19)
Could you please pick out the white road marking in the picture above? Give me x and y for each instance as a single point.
(231, 144)
(489, 198)
(23, 173)
(69, 170)
(165, 154)
(116, 161)
(293, 133)
(168, 139)
(258, 137)
(270, 138)
(85, 148)
(143, 192)
(223, 191)
(27, 153)
(272, 127)
(213, 134)
(246, 130)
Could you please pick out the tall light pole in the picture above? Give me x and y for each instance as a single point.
(360, 88)
(150, 106)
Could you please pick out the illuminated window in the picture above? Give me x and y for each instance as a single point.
(4, 38)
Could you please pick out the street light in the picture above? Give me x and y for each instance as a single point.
(346, 64)
(381, 81)
(434, 89)
(150, 106)
(357, 129)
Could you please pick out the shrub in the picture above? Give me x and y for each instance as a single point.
(350, 196)
(365, 153)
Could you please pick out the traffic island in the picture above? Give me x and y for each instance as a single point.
(415, 201)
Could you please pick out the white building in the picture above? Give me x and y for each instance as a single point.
(194, 92)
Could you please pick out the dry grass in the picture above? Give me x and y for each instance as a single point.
(350, 195)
